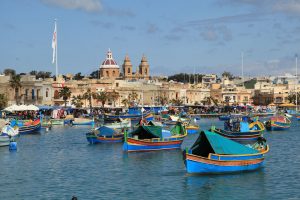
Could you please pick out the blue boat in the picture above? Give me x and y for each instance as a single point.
(278, 123)
(152, 138)
(242, 132)
(83, 121)
(212, 153)
(28, 127)
(104, 134)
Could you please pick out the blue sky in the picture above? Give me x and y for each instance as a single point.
(176, 36)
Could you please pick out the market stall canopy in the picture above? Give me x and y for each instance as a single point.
(32, 107)
(14, 108)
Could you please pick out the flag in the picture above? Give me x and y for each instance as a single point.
(54, 44)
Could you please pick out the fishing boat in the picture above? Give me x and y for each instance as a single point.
(224, 117)
(213, 153)
(151, 137)
(246, 132)
(122, 123)
(8, 134)
(57, 121)
(83, 121)
(278, 123)
(104, 134)
(27, 126)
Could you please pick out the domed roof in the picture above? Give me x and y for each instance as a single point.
(109, 62)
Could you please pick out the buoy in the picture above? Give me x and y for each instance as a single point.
(13, 146)
(47, 129)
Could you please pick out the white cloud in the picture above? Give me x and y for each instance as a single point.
(85, 5)
(288, 6)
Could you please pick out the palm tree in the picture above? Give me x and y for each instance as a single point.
(15, 83)
(102, 97)
(65, 93)
(114, 97)
(76, 101)
(3, 101)
(132, 97)
(177, 102)
(88, 95)
(125, 102)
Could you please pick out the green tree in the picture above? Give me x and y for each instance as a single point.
(94, 75)
(114, 96)
(3, 101)
(88, 95)
(177, 102)
(227, 74)
(15, 83)
(78, 76)
(102, 97)
(76, 101)
(125, 102)
(292, 98)
(9, 72)
(65, 93)
(132, 97)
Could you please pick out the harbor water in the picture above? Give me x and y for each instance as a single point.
(60, 164)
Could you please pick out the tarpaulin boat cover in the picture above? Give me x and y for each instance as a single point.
(209, 142)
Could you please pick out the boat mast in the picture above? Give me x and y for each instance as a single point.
(242, 54)
(296, 85)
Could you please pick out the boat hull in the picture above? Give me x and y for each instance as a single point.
(30, 129)
(92, 139)
(89, 123)
(241, 137)
(4, 141)
(197, 164)
(141, 145)
(191, 131)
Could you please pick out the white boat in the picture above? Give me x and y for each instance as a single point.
(8, 134)
(124, 123)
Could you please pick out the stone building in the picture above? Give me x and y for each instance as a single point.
(109, 68)
(142, 71)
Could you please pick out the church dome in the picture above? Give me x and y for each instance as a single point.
(109, 62)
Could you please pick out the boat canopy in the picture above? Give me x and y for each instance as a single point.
(147, 132)
(106, 131)
(209, 142)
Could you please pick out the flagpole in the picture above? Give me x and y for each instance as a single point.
(56, 66)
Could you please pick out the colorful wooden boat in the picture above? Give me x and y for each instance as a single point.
(28, 127)
(278, 123)
(57, 121)
(212, 153)
(104, 134)
(298, 117)
(224, 117)
(151, 138)
(83, 121)
(192, 129)
(247, 133)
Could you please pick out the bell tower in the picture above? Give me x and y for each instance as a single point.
(127, 68)
(144, 68)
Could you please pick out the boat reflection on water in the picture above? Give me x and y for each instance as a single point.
(213, 186)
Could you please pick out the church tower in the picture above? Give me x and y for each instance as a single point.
(127, 68)
(144, 68)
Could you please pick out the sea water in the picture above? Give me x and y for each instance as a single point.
(60, 164)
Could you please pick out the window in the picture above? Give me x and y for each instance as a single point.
(114, 73)
(117, 84)
(128, 70)
(107, 73)
(32, 92)
(47, 92)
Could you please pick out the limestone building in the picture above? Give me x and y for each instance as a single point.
(109, 69)
(142, 71)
